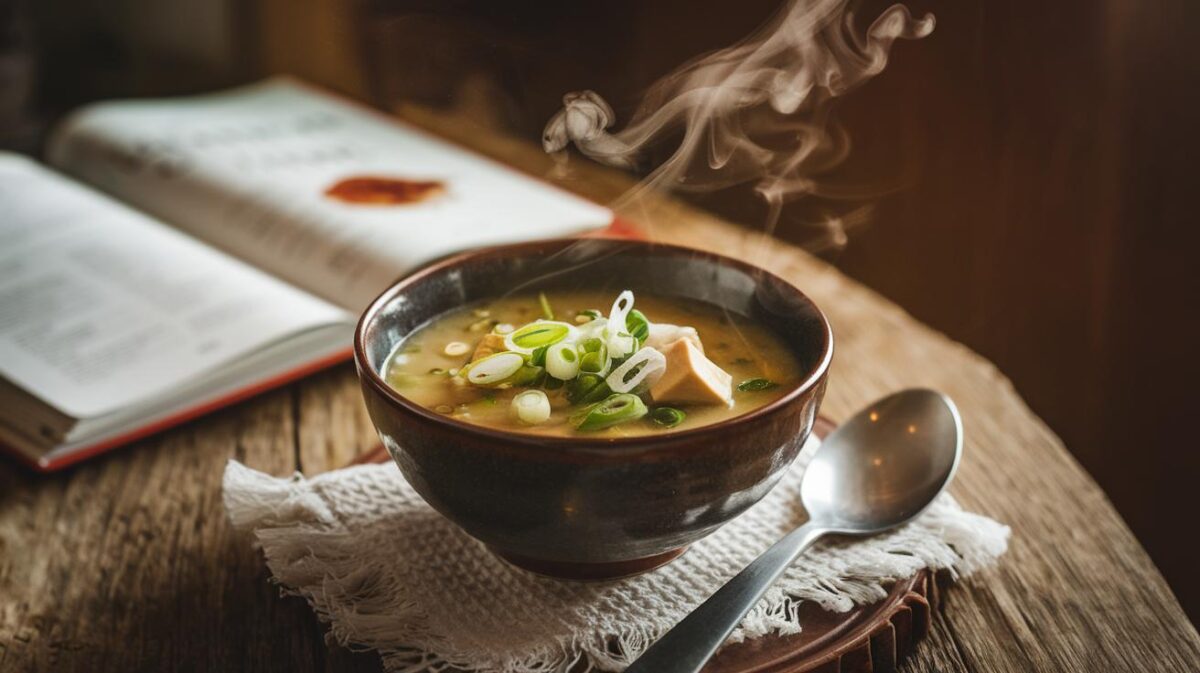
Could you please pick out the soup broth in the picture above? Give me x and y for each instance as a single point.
(437, 366)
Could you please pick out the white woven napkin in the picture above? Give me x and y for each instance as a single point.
(388, 573)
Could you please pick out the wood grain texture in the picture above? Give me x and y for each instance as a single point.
(127, 562)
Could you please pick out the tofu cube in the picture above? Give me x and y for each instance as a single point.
(690, 377)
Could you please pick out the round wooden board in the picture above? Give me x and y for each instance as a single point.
(872, 638)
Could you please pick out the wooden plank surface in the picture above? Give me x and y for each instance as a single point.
(128, 563)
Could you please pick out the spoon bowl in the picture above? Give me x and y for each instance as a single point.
(885, 465)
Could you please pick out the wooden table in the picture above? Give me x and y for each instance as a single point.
(128, 563)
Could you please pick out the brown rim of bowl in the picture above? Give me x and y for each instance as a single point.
(583, 444)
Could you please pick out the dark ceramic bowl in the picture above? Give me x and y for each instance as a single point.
(587, 507)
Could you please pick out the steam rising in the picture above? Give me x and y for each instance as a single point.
(756, 112)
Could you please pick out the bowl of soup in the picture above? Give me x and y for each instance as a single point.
(589, 408)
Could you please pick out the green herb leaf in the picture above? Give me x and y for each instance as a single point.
(613, 410)
(668, 417)
(547, 312)
(754, 385)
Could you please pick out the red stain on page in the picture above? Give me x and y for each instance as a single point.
(372, 190)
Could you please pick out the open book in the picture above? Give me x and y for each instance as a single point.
(208, 248)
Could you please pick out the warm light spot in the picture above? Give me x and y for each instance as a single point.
(912, 429)
(877, 462)
(874, 416)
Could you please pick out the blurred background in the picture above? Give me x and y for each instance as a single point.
(1030, 165)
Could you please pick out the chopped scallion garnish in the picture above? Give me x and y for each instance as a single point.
(456, 348)
(644, 366)
(637, 325)
(538, 334)
(547, 312)
(528, 375)
(531, 407)
(595, 361)
(562, 361)
(754, 385)
(613, 410)
(668, 417)
(495, 369)
(586, 389)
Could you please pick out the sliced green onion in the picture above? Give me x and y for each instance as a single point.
(528, 376)
(437, 370)
(590, 345)
(753, 385)
(621, 307)
(538, 356)
(552, 383)
(588, 315)
(495, 369)
(456, 348)
(668, 417)
(622, 344)
(538, 334)
(595, 361)
(587, 388)
(562, 361)
(637, 325)
(614, 410)
(547, 312)
(531, 407)
(597, 328)
(644, 366)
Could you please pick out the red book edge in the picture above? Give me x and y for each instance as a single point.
(618, 229)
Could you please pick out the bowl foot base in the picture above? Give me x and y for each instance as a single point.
(589, 572)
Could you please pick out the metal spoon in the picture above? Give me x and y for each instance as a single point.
(877, 471)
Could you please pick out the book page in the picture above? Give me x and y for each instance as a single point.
(102, 307)
(328, 195)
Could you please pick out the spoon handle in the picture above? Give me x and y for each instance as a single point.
(692, 642)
